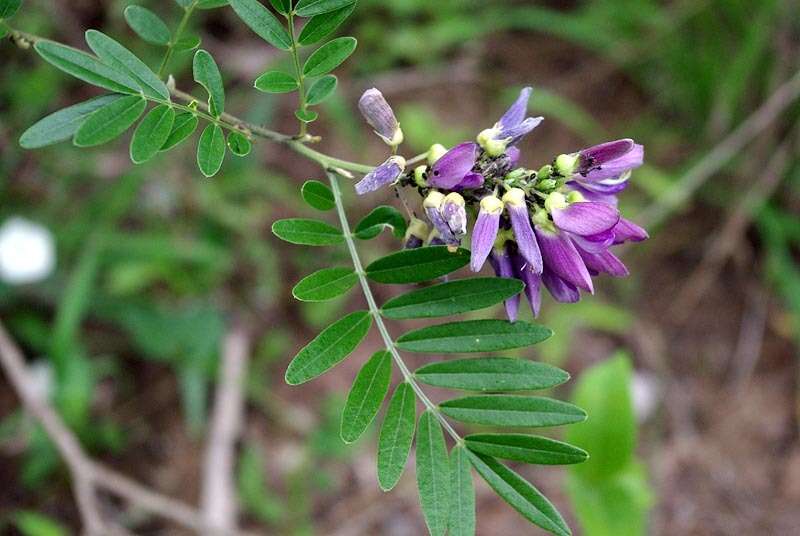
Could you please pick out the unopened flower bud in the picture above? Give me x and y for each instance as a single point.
(554, 201)
(385, 174)
(566, 164)
(575, 197)
(436, 151)
(454, 214)
(545, 172)
(416, 234)
(381, 117)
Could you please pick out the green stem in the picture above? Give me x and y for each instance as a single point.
(299, 72)
(175, 38)
(375, 311)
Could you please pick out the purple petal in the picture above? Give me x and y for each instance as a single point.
(503, 267)
(378, 113)
(386, 173)
(470, 181)
(451, 168)
(598, 155)
(594, 243)
(513, 154)
(562, 291)
(519, 131)
(604, 263)
(614, 168)
(455, 215)
(591, 195)
(516, 113)
(627, 231)
(562, 258)
(523, 232)
(532, 281)
(586, 218)
(439, 223)
(483, 236)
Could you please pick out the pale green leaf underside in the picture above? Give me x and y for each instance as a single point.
(62, 125)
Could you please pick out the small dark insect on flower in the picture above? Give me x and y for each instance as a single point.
(553, 226)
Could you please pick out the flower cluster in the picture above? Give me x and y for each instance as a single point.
(554, 226)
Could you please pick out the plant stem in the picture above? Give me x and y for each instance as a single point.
(301, 91)
(175, 38)
(388, 341)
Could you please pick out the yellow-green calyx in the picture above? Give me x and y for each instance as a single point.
(434, 200)
(555, 201)
(575, 197)
(487, 139)
(491, 205)
(396, 140)
(454, 198)
(436, 151)
(417, 228)
(514, 197)
(419, 176)
(566, 164)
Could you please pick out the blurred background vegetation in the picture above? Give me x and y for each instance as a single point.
(688, 368)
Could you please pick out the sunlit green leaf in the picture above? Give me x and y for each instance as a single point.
(8, 8)
(276, 82)
(379, 219)
(148, 25)
(397, 434)
(329, 348)
(417, 265)
(184, 126)
(110, 121)
(505, 410)
(152, 133)
(85, 67)
(262, 22)
(320, 26)
(318, 195)
(462, 498)
(309, 8)
(520, 494)
(329, 56)
(206, 73)
(321, 89)
(62, 125)
(433, 474)
(35, 524)
(117, 56)
(186, 43)
(526, 448)
(325, 284)
(306, 116)
(451, 298)
(366, 396)
(211, 150)
(307, 232)
(239, 144)
(473, 336)
(491, 374)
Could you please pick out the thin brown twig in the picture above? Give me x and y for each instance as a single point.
(88, 476)
(219, 491)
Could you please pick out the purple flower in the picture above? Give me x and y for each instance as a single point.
(525, 272)
(470, 181)
(511, 128)
(455, 215)
(380, 116)
(450, 169)
(432, 206)
(604, 168)
(416, 234)
(517, 208)
(586, 218)
(385, 174)
(513, 154)
(561, 290)
(485, 231)
(561, 257)
(627, 231)
(500, 259)
(603, 262)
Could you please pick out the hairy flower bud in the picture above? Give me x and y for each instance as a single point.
(381, 117)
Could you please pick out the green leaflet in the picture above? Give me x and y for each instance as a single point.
(321, 89)
(110, 121)
(307, 232)
(211, 150)
(211, 4)
(113, 54)
(206, 73)
(433, 474)
(462, 499)
(276, 82)
(329, 348)
(504, 410)
(306, 116)
(473, 336)
(329, 56)
(520, 494)
(152, 133)
(366, 396)
(417, 265)
(148, 25)
(379, 219)
(325, 284)
(318, 195)
(184, 126)
(397, 434)
(239, 144)
(452, 298)
(526, 448)
(62, 125)
(282, 6)
(491, 374)
(309, 8)
(86, 67)
(320, 26)
(262, 22)
(9, 8)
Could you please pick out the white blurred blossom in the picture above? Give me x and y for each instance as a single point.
(27, 252)
(646, 395)
(41, 379)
